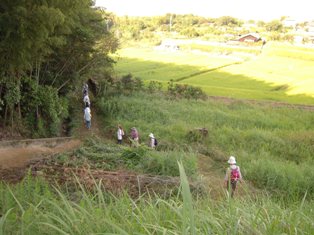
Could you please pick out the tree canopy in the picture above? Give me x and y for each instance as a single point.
(46, 47)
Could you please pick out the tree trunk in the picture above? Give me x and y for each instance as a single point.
(5, 114)
(12, 119)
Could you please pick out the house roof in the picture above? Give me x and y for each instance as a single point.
(256, 35)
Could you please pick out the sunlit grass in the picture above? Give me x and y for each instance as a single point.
(280, 73)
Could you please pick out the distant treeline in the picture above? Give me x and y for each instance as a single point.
(47, 48)
(191, 26)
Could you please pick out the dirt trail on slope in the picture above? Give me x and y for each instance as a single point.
(11, 157)
(17, 155)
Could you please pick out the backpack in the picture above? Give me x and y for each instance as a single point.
(234, 174)
(155, 142)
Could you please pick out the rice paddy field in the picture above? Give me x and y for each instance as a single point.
(279, 72)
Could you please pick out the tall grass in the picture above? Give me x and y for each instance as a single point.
(102, 213)
(253, 133)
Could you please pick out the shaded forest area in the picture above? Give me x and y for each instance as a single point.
(47, 50)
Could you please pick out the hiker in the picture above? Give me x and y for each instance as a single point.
(86, 100)
(152, 141)
(85, 90)
(233, 175)
(120, 134)
(134, 136)
(87, 117)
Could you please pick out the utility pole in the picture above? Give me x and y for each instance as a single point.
(170, 23)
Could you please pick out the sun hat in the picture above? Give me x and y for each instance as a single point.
(151, 135)
(232, 160)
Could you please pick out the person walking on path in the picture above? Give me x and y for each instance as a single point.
(233, 175)
(134, 136)
(152, 141)
(120, 134)
(86, 100)
(85, 90)
(87, 117)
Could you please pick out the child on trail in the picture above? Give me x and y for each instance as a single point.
(134, 136)
(152, 141)
(233, 175)
(120, 134)
(87, 117)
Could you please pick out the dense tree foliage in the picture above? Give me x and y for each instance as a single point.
(47, 47)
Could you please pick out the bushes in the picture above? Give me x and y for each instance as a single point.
(185, 91)
(127, 85)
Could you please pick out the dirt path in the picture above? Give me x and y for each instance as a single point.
(16, 157)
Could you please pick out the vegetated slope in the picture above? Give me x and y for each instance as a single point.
(268, 141)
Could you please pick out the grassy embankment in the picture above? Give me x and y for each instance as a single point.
(280, 73)
(273, 146)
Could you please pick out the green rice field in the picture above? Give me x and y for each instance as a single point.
(279, 73)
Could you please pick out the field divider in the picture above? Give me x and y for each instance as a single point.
(206, 71)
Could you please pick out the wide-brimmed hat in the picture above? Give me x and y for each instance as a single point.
(232, 160)
(151, 135)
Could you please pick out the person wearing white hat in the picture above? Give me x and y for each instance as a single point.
(152, 140)
(233, 175)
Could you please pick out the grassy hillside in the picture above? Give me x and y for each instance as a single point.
(274, 145)
(280, 73)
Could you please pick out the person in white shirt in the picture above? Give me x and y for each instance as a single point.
(152, 140)
(85, 90)
(87, 117)
(120, 134)
(86, 101)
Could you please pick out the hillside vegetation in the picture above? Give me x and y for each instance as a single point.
(273, 146)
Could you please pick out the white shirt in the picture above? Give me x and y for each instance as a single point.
(120, 133)
(86, 99)
(152, 142)
(87, 114)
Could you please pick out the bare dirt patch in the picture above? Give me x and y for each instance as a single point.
(14, 160)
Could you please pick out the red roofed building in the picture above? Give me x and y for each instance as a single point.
(250, 37)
